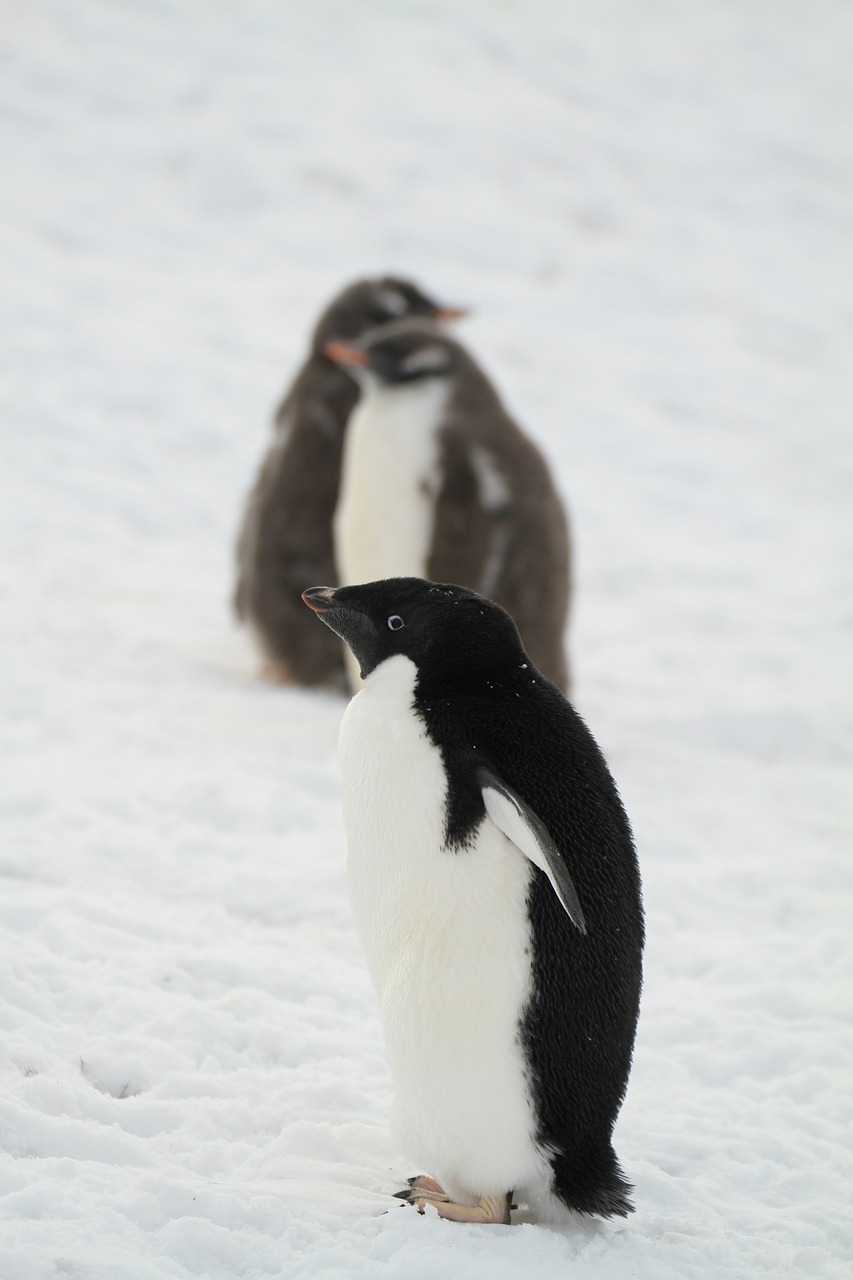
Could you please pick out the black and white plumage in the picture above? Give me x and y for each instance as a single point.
(286, 535)
(439, 482)
(496, 893)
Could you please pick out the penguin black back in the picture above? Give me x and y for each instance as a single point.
(490, 713)
(580, 1026)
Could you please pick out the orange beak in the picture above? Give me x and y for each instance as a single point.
(446, 314)
(342, 353)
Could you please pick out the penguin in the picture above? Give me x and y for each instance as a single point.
(496, 893)
(285, 539)
(439, 482)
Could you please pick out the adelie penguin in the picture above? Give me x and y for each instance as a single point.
(286, 534)
(496, 892)
(438, 481)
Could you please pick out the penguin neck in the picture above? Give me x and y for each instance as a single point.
(395, 677)
(400, 679)
(390, 687)
(429, 395)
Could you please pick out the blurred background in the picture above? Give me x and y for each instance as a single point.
(648, 209)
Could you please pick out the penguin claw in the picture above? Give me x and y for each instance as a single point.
(491, 1209)
(423, 1190)
(426, 1183)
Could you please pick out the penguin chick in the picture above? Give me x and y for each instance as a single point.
(286, 534)
(438, 481)
(496, 893)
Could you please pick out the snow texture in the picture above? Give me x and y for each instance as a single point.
(649, 207)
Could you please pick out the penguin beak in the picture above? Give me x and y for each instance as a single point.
(347, 621)
(320, 599)
(342, 353)
(445, 315)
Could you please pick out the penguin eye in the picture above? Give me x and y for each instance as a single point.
(395, 622)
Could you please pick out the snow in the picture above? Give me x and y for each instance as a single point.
(649, 208)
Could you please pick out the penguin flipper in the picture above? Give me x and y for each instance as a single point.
(528, 833)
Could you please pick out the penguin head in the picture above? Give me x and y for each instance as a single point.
(451, 634)
(368, 303)
(402, 353)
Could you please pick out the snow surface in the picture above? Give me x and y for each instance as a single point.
(649, 207)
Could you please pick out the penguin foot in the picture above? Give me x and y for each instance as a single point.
(490, 1209)
(276, 672)
(424, 1190)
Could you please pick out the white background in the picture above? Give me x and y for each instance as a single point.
(649, 208)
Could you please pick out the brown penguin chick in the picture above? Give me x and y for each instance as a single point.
(439, 482)
(285, 541)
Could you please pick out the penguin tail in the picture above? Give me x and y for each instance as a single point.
(593, 1184)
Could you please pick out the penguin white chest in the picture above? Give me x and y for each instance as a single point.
(384, 521)
(446, 935)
